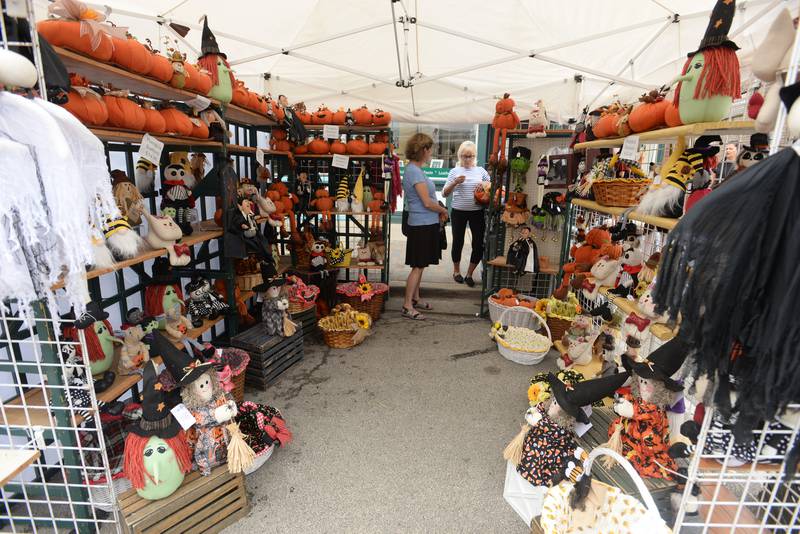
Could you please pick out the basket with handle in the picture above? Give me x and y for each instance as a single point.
(496, 309)
(522, 317)
(620, 192)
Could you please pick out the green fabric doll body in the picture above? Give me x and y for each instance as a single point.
(693, 110)
(106, 340)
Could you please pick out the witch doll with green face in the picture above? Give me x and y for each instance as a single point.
(164, 291)
(99, 337)
(157, 455)
(709, 81)
(216, 63)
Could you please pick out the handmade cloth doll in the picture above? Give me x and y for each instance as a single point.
(537, 121)
(133, 354)
(216, 63)
(204, 397)
(523, 254)
(579, 341)
(157, 455)
(274, 309)
(164, 290)
(666, 198)
(631, 261)
(77, 386)
(756, 151)
(295, 129)
(204, 303)
(303, 190)
(177, 200)
(641, 433)
(99, 336)
(175, 324)
(242, 226)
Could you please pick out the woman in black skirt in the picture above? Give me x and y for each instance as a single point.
(424, 215)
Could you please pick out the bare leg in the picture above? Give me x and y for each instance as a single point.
(412, 287)
(471, 269)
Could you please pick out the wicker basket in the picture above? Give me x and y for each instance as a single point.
(260, 459)
(247, 282)
(558, 326)
(621, 193)
(373, 307)
(300, 307)
(522, 318)
(495, 309)
(238, 387)
(339, 339)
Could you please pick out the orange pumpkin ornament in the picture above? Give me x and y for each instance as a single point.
(337, 147)
(672, 116)
(67, 34)
(84, 103)
(304, 116)
(649, 114)
(282, 146)
(154, 122)
(301, 149)
(199, 128)
(357, 146)
(321, 116)
(177, 122)
(381, 137)
(376, 148)
(319, 146)
(606, 126)
(123, 112)
(241, 96)
(160, 67)
(381, 118)
(363, 116)
(131, 55)
(338, 117)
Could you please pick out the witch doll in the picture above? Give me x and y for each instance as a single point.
(216, 63)
(243, 230)
(163, 292)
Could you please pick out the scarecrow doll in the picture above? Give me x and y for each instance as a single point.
(274, 309)
(164, 291)
(157, 455)
(216, 63)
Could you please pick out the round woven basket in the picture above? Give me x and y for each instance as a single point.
(247, 282)
(300, 307)
(238, 387)
(621, 193)
(495, 309)
(521, 317)
(557, 326)
(373, 307)
(339, 339)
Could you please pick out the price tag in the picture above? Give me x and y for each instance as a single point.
(340, 161)
(630, 148)
(330, 131)
(184, 417)
(260, 156)
(16, 9)
(199, 103)
(581, 428)
(151, 149)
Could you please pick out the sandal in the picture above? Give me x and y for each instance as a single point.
(458, 278)
(422, 305)
(469, 281)
(414, 316)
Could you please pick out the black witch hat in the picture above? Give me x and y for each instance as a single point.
(184, 369)
(758, 141)
(603, 311)
(718, 27)
(662, 363)
(522, 152)
(704, 145)
(208, 43)
(269, 277)
(92, 314)
(163, 273)
(573, 398)
(157, 420)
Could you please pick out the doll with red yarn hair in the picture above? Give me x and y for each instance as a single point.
(164, 291)
(99, 337)
(216, 63)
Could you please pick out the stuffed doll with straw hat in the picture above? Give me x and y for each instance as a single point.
(157, 455)
(641, 433)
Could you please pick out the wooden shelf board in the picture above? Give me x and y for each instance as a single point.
(198, 236)
(240, 149)
(277, 153)
(37, 407)
(590, 370)
(195, 333)
(350, 129)
(542, 270)
(104, 73)
(550, 133)
(330, 156)
(364, 267)
(661, 331)
(666, 134)
(13, 461)
(710, 467)
(246, 116)
(118, 135)
(661, 222)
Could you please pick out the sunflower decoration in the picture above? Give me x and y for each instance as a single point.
(364, 288)
(539, 390)
(538, 393)
(363, 320)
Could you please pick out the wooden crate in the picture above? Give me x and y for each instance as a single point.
(270, 356)
(308, 319)
(201, 504)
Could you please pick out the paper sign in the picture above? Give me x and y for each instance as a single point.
(581, 428)
(151, 149)
(199, 103)
(260, 156)
(330, 131)
(630, 148)
(16, 9)
(340, 161)
(183, 416)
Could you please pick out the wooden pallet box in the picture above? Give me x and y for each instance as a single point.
(270, 356)
(308, 319)
(201, 504)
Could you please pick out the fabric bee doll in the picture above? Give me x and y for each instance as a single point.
(177, 199)
(641, 433)
(204, 303)
(666, 198)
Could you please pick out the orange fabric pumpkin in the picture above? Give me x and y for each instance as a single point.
(160, 68)
(321, 116)
(672, 116)
(381, 118)
(199, 129)
(89, 109)
(282, 146)
(124, 113)
(241, 96)
(131, 55)
(381, 137)
(376, 148)
(648, 116)
(357, 146)
(338, 117)
(177, 122)
(337, 147)
(319, 146)
(252, 101)
(363, 116)
(196, 81)
(606, 126)
(300, 150)
(277, 111)
(67, 34)
(278, 134)
(304, 116)
(154, 122)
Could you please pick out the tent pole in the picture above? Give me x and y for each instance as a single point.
(517, 92)
(578, 68)
(396, 43)
(755, 17)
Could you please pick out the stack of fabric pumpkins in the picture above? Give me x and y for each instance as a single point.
(357, 146)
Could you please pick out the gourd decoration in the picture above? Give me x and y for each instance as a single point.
(649, 113)
(357, 146)
(154, 121)
(78, 27)
(338, 117)
(504, 119)
(278, 113)
(240, 94)
(99, 337)
(381, 118)
(164, 290)
(322, 115)
(363, 116)
(318, 146)
(256, 102)
(216, 63)
(709, 81)
(124, 112)
(84, 103)
(131, 55)
(157, 455)
(337, 147)
(177, 122)
(376, 148)
(160, 66)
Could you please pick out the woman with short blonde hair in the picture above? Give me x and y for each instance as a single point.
(462, 182)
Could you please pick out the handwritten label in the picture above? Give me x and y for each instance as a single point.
(630, 148)
(199, 103)
(260, 156)
(330, 131)
(340, 161)
(151, 149)
(184, 417)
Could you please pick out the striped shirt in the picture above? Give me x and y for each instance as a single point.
(464, 194)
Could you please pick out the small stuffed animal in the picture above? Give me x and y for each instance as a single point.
(133, 354)
(324, 204)
(376, 207)
(631, 261)
(377, 249)
(609, 356)
(162, 232)
(176, 325)
(318, 260)
(145, 175)
(364, 254)
(204, 303)
(177, 194)
(605, 273)
(356, 205)
(648, 307)
(581, 327)
(537, 121)
(343, 195)
(303, 191)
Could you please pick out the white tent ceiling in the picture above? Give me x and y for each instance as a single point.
(461, 54)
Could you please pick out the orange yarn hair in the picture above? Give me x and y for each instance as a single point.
(154, 298)
(96, 353)
(133, 465)
(720, 75)
(209, 62)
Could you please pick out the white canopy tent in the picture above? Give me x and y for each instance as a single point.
(448, 60)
